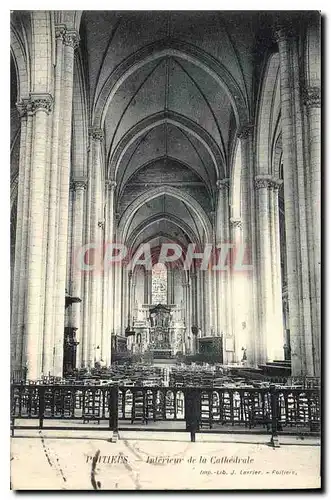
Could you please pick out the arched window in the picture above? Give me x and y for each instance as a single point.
(159, 284)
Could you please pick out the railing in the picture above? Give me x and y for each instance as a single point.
(305, 382)
(19, 376)
(299, 408)
(288, 410)
(64, 403)
(151, 404)
(268, 410)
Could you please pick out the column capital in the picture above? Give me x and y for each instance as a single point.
(21, 107)
(96, 134)
(284, 31)
(78, 185)
(276, 183)
(111, 184)
(236, 222)
(40, 102)
(222, 184)
(267, 182)
(312, 97)
(245, 131)
(71, 38)
(60, 30)
(212, 214)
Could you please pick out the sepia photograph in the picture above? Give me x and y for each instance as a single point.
(165, 250)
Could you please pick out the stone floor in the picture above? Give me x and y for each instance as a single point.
(160, 460)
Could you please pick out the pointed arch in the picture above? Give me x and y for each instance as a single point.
(176, 119)
(133, 237)
(181, 50)
(130, 211)
(21, 62)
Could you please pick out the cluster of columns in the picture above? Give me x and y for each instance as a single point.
(94, 315)
(270, 289)
(249, 299)
(38, 297)
(302, 204)
(222, 234)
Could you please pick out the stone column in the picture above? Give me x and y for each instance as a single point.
(265, 277)
(54, 188)
(118, 296)
(170, 285)
(148, 287)
(249, 282)
(295, 199)
(20, 361)
(20, 246)
(124, 301)
(100, 273)
(207, 301)
(194, 313)
(186, 316)
(189, 316)
(85, 327)
(129, 299)
(306, 290)
(271, 324)
(194, 298)
(198, 299)
(237, 288)
(79, 188)
(134, 301)
(212, 282)
(70, 41)
(201, 303)
(41, 106)
(69, 251)
(48, 132)
(276, 269)
(108, 276)
(96, 136)
(21, 306)
(223, 276)
(118, 327)
(312, 99)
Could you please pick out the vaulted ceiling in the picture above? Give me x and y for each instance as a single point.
(170, 90)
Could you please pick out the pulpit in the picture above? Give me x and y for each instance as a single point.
(69, 350)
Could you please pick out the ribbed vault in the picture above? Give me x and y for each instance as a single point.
(169, 104)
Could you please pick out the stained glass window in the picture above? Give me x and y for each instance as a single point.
(159, 284)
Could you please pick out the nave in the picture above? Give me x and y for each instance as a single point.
(165, 190)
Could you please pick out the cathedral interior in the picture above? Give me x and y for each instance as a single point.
(141, 131)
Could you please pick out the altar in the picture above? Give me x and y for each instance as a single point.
(159, 331)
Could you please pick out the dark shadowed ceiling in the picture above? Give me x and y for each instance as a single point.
(177, 82)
